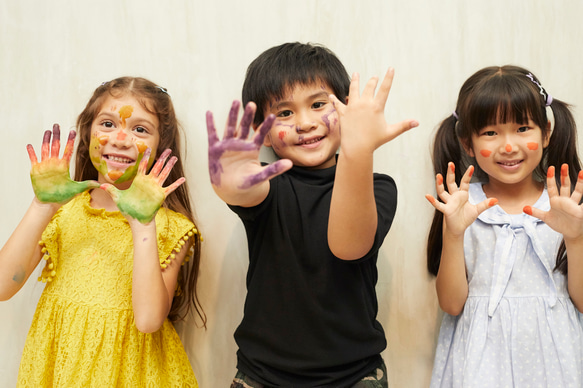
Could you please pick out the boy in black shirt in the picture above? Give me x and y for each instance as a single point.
(314, 220)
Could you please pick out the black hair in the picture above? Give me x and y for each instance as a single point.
(499, 95)
(282, 67)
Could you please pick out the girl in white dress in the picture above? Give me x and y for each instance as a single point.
(507, 249)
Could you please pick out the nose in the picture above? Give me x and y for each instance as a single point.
(305, 123)
(508, 147)
(121, 138)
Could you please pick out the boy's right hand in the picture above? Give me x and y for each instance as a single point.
(458, 212)
(50, 177)
(234, 165)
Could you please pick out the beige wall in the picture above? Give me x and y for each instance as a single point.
(53, 54)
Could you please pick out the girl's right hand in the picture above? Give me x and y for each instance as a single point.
(50, 177)
(458, 212)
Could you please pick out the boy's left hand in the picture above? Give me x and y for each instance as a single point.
(362, 119)
(146, 195)
(566, 213)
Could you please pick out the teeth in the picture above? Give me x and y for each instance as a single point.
(312, 141)
(119, 159)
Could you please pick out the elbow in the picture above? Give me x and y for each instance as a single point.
(350, 252)
(148, 324)
(452, 307)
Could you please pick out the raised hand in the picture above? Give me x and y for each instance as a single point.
(566, 213)
(146, 195)
(235, 159)
(50, 177)
(458, 212)
(362, 119)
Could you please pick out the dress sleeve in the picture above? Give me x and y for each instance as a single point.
(50, 247)
(175, 232)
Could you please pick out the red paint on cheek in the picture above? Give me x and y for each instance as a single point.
(508, 148)
(485, 153)
(281, 135)
(532, 146)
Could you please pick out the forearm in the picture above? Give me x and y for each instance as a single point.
(235, 196)
(575, 271)
(150, 297)
(353, 217)
(22, 253)
(451, 283)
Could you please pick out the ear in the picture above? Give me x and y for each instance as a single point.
(547, 138)
(267, 140)
(467, 148)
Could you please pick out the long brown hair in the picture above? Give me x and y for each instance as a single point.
(155, 100)
(500, 95)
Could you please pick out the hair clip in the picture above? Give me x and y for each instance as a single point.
(163, 90)
(543, 92)
(104, 83)
(454, 114)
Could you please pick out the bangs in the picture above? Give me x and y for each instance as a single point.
(501, 100)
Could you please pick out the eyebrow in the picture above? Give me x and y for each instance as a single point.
(314, 96)
(115, 115)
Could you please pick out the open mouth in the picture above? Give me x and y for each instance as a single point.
(118, 159)
(311, 141)
(511, 163)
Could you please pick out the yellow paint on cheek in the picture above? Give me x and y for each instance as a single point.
(114, 175)
(532, 146)
(125, 112)
(485, 153)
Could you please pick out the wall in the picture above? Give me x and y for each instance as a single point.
(55, 53)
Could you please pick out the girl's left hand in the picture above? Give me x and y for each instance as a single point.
(145, 196)
(566, 213)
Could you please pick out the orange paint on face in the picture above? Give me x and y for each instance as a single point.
(508, 148)
(532, 146)
(281, 135)
(103, 140)
(114, 175)
(125, 112)
(141, 147)
(121, 136)
(485, 153)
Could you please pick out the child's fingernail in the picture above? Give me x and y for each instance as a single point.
(492, 202)
(527, 210)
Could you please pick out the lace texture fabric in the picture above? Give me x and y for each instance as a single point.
(83, 332)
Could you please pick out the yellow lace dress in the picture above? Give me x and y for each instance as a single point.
(83, 332)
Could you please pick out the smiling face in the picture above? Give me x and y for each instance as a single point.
(120, 132)
(306, 129)
(509, 152)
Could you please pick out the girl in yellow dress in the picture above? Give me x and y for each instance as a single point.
(120, 251)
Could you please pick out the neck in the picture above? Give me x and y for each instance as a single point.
(514, 197)
(100, 199)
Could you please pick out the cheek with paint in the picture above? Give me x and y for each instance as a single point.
(330, 119)
(532, 146)
(485, 153)
(95, 145)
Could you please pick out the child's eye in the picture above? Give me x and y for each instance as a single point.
(523, 129)
(108, 124)
(489, 133)
(140, 130)
(317, 105)
(284, 113)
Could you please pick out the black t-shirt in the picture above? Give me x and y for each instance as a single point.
(310, 317)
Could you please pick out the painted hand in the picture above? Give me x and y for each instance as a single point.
(458, 212)
(362, 119)
(50, 177)
(236, 158)
(146, 195)
(566, 213)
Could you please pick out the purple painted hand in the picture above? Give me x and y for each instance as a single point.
(236, 156)
(146, 194)
(50, 178)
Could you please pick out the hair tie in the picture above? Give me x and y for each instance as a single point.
(454, 113)
(548, 98)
